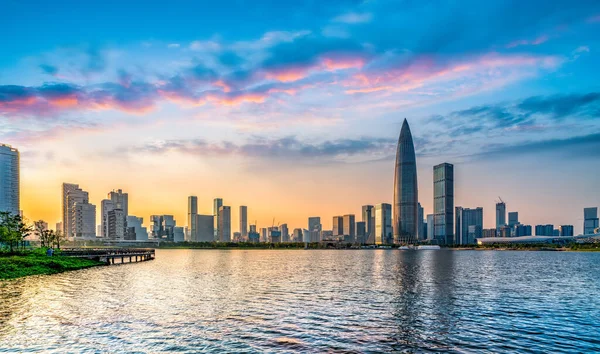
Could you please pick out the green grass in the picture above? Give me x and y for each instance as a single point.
(34, 263)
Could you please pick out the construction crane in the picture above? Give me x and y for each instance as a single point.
(501, 201)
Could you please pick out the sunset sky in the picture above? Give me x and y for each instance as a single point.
(295, 109)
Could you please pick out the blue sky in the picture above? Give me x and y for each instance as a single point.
(297, 107)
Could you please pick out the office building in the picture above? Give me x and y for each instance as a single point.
(500, 214)
(327, 235)
(566, 230)
(162, 227)
(224, 226)
(338, 226)
(244, 222)
(192, 218)
(263, 234)
(84, 221)
(136, 224)
(369, 219)
(405, 222)
(217, 204)
(178, 234)
(205, 227)
(58, 227)
(468, 224)
(361, 232)
(298, 235)
(513, 218)
(9, 180)
(285, 234)
(383, 224)
(73, 198)
(314, 230)
(430, 227)
(544, 230)
(349, 228)
(420, 231)
(590, 220)
(443, 203)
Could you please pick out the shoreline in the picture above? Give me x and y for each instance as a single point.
(23, 265)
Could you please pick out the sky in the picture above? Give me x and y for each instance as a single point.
(294, 108)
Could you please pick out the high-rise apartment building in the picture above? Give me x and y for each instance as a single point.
(383, 224)
(443, 203)
(9, 180)
(285, 233)
(544, 230)
(84, 220)
(117, 225)
(590, 220)
(405, 223)
(244, 222)
(67, 188)
(224, 223)
(566, 230)
(469, 225)
(298, 235)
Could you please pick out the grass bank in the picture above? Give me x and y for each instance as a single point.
(33, 263)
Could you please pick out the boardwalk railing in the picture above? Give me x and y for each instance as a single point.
(109, 255)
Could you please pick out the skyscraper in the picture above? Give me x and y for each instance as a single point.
(225, 224)
(590, 220)
(66, 189)
(338, 226)
(217, 204)
(513, 218)
(349, 228)
(141, 233)
(9, 179)
(405, 221)
(443, 203)
(120, 200)
(73, 197)
(500, 214)
(566, 230)
(430, 227)
(192, 217)
(367, 218)
(420, 222)
(469, 225)
(314, 230)
(205, 228)
(244, 222)
(383, 224)
(361, 234)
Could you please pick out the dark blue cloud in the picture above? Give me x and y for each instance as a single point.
(49, 69)
(561, 106)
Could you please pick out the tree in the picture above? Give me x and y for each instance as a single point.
(41, 232)
(13, 229)
(57, 237)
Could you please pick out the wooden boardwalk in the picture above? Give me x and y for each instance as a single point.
(111, 255)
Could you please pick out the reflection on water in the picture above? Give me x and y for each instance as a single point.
(312, 301)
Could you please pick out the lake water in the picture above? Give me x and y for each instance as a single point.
(312, 301)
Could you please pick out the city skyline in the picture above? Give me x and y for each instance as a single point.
(210, 108)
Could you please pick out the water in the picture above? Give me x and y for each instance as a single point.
(312, 301)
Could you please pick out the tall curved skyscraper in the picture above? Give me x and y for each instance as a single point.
(405, 189)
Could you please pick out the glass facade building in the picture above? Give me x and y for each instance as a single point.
(9, 179)
(443, 203)
(405, 222)
(383, 224)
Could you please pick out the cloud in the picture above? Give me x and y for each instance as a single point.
(581, 146)
(561, 106)
(49, 69)
(281, 148)
(539, 40)
(353, 17)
